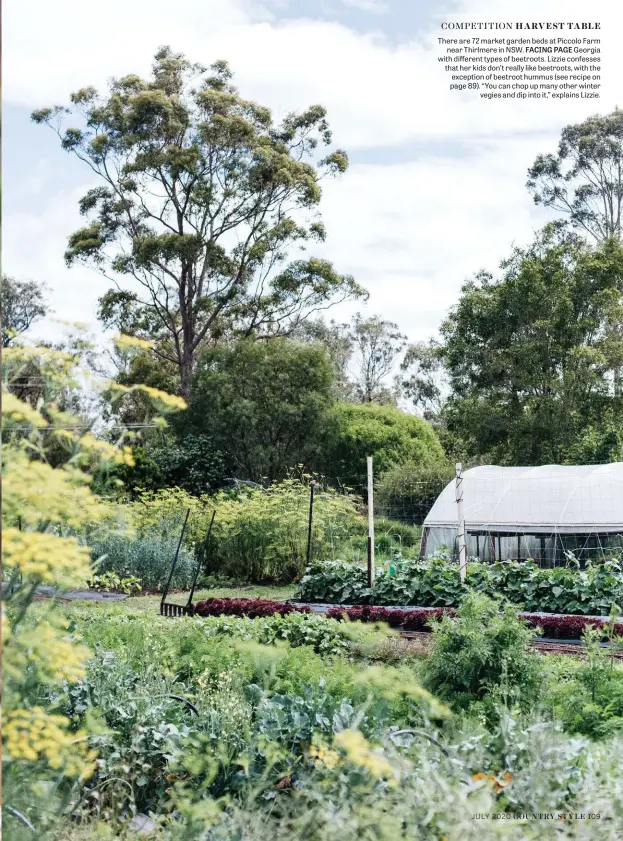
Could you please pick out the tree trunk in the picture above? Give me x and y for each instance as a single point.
(187, 365)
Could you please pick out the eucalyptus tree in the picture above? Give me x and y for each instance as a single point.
(376, 345)
(23, 303)
(201, 202)
(584, 179)
(533, 358)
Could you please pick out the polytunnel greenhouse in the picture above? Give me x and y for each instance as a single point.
(539, 513)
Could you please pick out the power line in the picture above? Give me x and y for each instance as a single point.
(85, 427)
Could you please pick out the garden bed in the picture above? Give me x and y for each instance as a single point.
(553, 625)
(402, 618)
(436, 583)
(252, 608)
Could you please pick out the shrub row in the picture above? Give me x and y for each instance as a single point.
(253, 608)
(436, 583)
(556, 627)
(259, 534)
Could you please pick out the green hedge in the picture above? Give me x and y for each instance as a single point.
(436, 583)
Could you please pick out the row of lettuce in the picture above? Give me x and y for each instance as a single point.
(417, 619)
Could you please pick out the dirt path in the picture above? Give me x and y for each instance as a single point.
(419, 642)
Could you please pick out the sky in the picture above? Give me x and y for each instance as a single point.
(436, 187)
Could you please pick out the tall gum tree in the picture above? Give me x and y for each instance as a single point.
(376, 344)
(584, 183)
(584, 180)
(23, 303)
(202, 199)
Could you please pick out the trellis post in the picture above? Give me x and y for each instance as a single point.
(370, 523)
(461, 522)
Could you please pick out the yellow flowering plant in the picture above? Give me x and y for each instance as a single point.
(359, 752)
(323, 756)
(49, 458)
(34, 735)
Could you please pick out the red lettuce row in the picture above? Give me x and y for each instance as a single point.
(567, 627)
(556, 627)
(418, 619)
(245, 607)
(407, 620)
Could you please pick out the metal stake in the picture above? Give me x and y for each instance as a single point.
(370, 523)
(200, 562)
(312, 485)
(177, 552)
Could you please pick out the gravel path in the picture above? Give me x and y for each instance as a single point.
(75, 595)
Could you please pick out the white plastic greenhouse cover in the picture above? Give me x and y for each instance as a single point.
(544, 499)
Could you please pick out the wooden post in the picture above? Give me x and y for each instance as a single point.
(370, 524)
(461, 522)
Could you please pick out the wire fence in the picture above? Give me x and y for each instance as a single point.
(399, 513)
(509, 516)
(407, 502)
(552, 516)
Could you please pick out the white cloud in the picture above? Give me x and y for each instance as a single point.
(375, 7)
(54, 48)
(376, 93)
(33, 247)
(412, 233)
(409, 231)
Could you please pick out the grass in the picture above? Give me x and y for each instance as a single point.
(95, 833)
(150, 604)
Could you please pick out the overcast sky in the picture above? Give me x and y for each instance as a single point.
(436, 188)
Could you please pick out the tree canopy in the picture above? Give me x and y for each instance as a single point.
(383, 432)
(202, 199)
(423, 378)
(23, 303)
(335, 339)
(363, 353)
(376, 344)
(264, 404)
(534, 356)
(584, 179)
(190, 462)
